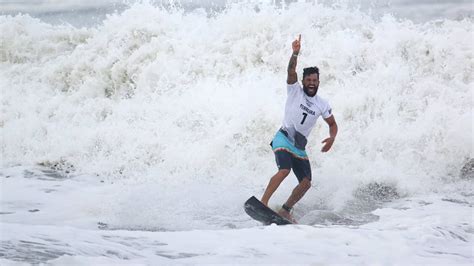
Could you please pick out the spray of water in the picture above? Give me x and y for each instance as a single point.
(183, 104)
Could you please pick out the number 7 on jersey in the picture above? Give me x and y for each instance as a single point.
(304, 117)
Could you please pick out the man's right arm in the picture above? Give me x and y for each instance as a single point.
(292, 76)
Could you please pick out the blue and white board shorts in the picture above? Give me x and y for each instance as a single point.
(287, 156)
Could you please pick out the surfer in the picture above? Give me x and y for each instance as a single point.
(302, 109)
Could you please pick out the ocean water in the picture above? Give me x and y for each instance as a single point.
(89, 12)
(135, 132)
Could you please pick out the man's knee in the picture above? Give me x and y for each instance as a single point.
(283, 172)
(305, 183)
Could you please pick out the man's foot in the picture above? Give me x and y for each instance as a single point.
(285, 214)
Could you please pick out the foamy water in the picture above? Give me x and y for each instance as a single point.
(163, 118)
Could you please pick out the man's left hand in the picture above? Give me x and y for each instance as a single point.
(328, 144)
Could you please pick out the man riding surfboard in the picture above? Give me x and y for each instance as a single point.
(303, 107)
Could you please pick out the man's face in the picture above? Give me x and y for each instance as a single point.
(311, 84)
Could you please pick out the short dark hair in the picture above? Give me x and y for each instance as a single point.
(310, 70)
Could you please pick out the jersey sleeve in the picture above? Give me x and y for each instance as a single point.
(326, 110)
(293, 88)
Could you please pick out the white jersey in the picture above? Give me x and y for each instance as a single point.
(302, 111)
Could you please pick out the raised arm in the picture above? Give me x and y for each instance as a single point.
(292, 76)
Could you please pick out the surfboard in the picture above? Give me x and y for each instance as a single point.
(258, 211)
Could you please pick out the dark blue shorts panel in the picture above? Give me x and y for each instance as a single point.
(301, 168)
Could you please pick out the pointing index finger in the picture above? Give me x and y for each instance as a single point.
(299, 38)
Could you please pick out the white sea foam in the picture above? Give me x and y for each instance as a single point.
(177, 108)
(160, 120)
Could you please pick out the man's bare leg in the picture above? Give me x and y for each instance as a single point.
(297, 193)
(274, 183)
